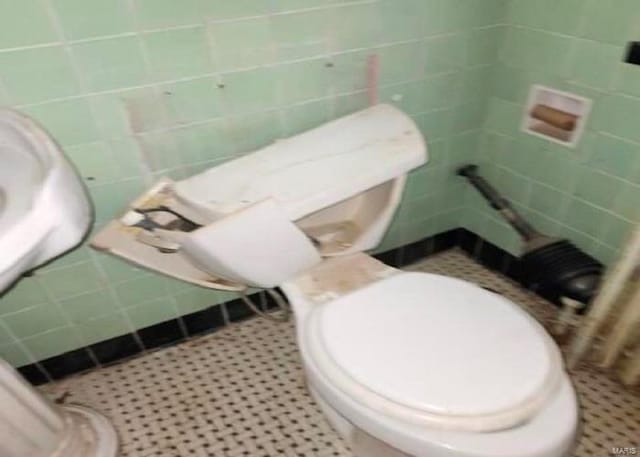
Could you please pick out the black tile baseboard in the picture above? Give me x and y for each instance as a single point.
(35, 374)
(115, 349)
(73, 362)
(206, 321)
(212, 318)
(237, 310)
(162, 334)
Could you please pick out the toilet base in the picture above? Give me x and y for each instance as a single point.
(88, 434)
(361, 443)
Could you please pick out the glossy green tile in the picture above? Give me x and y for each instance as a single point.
(349, 70)
(195, 299)
(444, 53)
(118, 270)
(503, 117)
(53, 342)
(473, 84)
(87, 306)
(415, 229)
(533, 50)
(456, 15)
(400, 62)
(598, 188)
(155, 14)
(301, 34)
(586, 218)
(217, 10)
(161, 150)
(15, 354)
(34, 320)
(256, 130)
(409, 97)
(303, 80)
(616, 114)
(126, 156)
(563, 16)
(27, 24)
(435, 124)
(595, 64)
(482, 45)
(611, 24)
(350, 103)
(104, 327)
(606, 254)
(81, 19)
(136, 291)
(626, 203)
(469, 116)
(242, 44)
(193, 100)
(402, 20)
(213, 140)
(547, 200)
(72, 280)
(68, 121)
(111, 200)
(616, 232)
(178, 53)
(355, 26)
(613, 155)
(283, 6)
(502, 235)
(437, 92)
(151, 312)
(298, 118)
(94, 162)
(5, 336)
(251, 90)
(627, 79)
(22, 74)
(26, 293)
(111, 63)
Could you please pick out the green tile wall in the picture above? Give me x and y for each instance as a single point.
(138, 89)
(589, 194)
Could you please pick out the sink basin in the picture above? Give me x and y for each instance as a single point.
(44, 207)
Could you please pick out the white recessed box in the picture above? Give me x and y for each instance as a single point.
(555, 115)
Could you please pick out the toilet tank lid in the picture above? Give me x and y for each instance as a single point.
(315, 169)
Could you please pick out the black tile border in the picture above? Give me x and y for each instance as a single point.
(162, 334)
(214, 318)
(205, 321)
(73, 362)
(34, 373)
(116, 349)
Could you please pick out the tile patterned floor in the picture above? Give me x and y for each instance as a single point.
(240, 392)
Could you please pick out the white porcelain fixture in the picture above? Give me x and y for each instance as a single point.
(402, 364)
(44, 211)
(32, 426)
(44, 208)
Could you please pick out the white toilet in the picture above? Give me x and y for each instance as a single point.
(401, 363)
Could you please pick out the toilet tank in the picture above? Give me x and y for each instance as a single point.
(267, 216)
(330, 191)
(315, 169)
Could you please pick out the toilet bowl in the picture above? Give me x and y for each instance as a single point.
(402, 364)
(426, 365)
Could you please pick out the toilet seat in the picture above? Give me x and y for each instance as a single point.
(494, 366)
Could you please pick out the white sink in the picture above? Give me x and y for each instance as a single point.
(44, 207)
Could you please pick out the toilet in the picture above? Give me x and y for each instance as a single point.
(401, 363)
